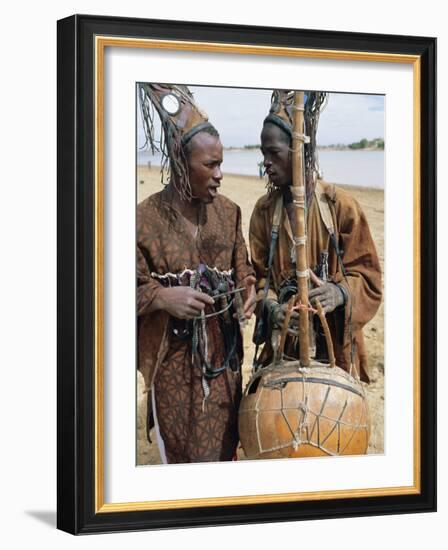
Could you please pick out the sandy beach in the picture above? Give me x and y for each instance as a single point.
(245, 191)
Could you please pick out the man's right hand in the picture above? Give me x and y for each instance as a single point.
(182, 302)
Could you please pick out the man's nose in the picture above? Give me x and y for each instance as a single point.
(267, 162)
(218, 174)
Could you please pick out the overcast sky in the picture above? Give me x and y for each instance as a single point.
(238, 114)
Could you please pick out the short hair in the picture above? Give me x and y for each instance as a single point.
(188, 147)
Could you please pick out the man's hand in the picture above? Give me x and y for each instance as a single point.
(278, 313)
(329, 295)
(250, 296)
(182, 302)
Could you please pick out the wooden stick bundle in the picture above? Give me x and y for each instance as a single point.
(299, 200)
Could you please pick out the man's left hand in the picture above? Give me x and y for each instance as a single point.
(329, 295)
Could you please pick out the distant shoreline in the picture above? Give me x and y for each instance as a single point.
(319, 148)
(346, 148)
(256, 179)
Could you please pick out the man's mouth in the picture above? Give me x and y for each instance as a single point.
(213, 191)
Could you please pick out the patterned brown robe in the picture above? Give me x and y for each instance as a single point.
(363, 271)
(190, 432)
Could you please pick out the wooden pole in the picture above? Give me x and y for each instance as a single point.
(299, 198)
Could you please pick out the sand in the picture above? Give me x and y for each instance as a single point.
(245, 190)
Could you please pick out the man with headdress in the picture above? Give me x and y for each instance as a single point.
(345, 274)
(192, 271)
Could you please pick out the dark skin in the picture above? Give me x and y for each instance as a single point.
(276, 150)
(204, 168)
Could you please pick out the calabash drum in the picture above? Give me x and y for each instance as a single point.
(291, 411)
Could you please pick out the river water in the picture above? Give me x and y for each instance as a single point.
(360, 168)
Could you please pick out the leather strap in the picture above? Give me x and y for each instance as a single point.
(274, 236)
(259, 329)
(277, 211)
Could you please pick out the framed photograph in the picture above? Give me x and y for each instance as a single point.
(178, 152)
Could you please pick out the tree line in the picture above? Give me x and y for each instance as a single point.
(377, 143)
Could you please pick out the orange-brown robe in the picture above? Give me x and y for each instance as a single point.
(164, 244)
(359, 257)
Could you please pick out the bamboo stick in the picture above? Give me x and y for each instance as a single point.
(324, 323)
(318, 282)
(299, 198)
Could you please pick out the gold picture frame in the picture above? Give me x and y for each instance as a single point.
(82, 43)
